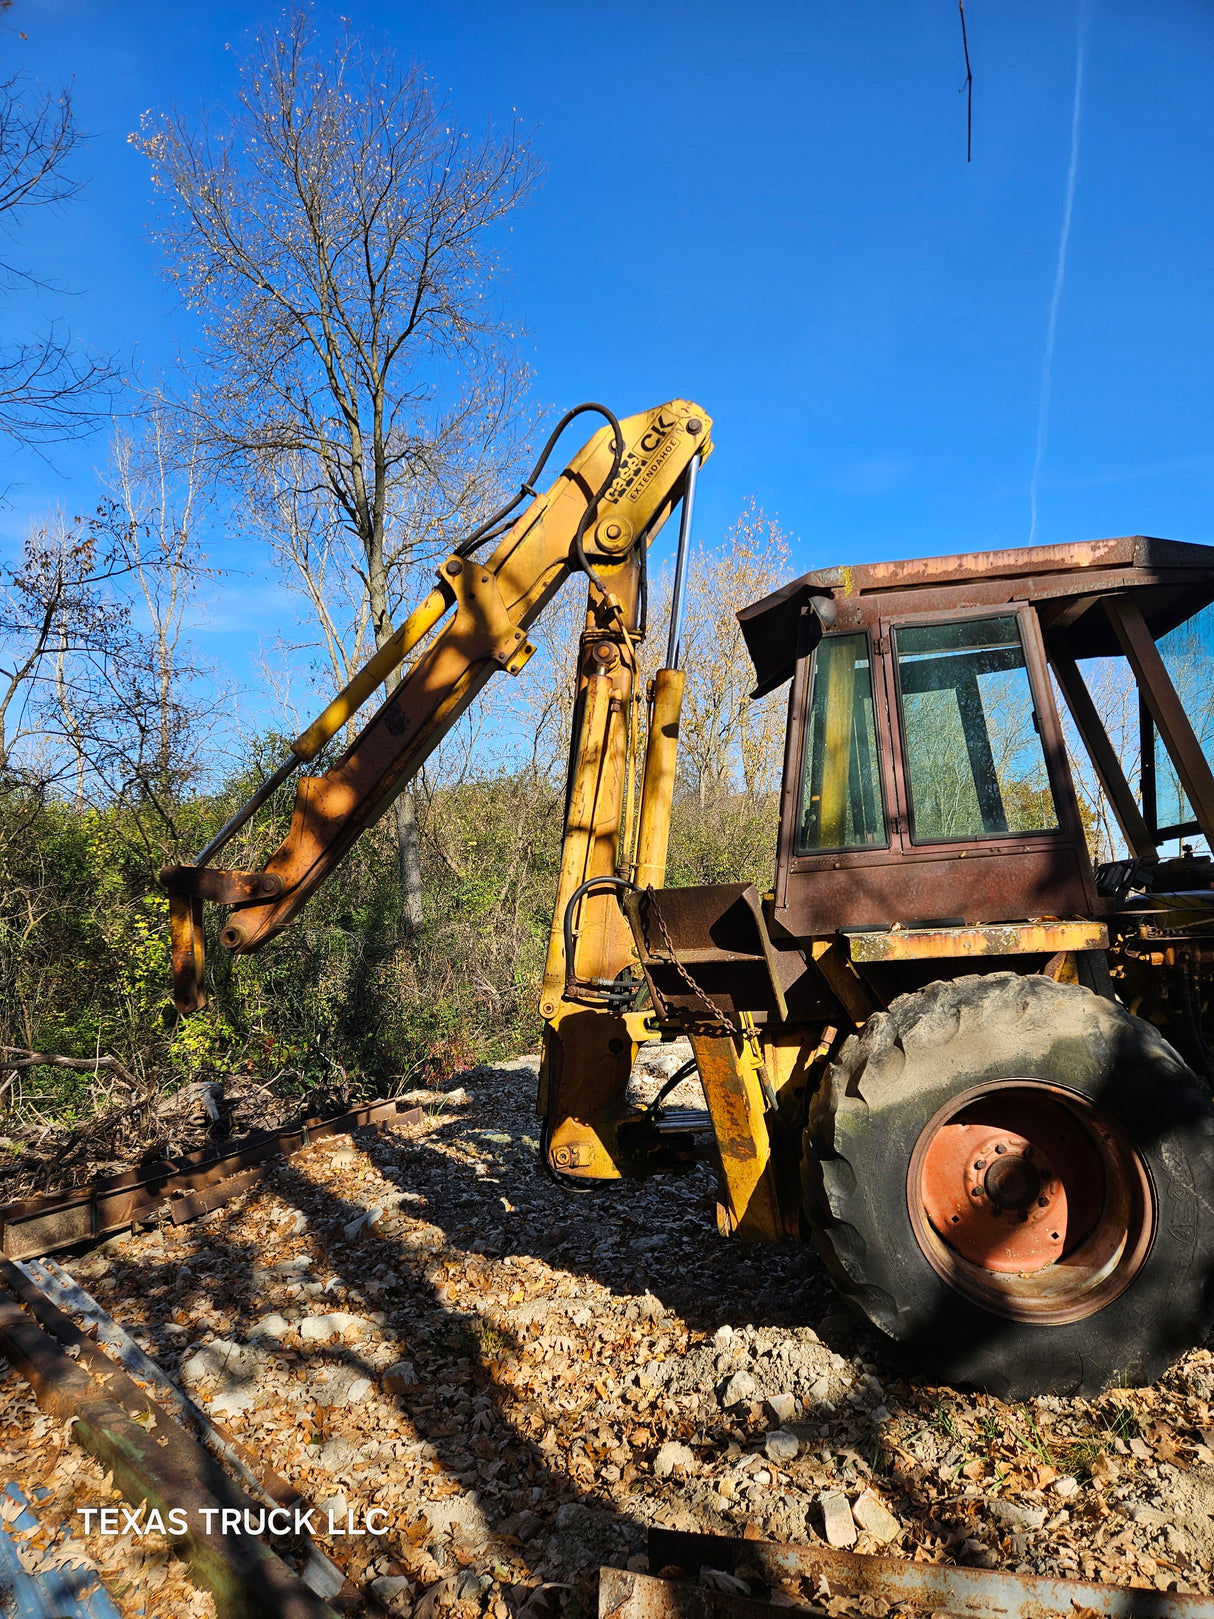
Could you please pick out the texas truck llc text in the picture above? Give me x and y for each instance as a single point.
(276, 1521)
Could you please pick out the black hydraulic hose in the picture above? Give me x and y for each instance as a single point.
(643, 592)
(484, 532)
(1192, 1018)
(677, 1078)
(567, 920)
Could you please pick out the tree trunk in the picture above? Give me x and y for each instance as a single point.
(408, 852)
(408, 845)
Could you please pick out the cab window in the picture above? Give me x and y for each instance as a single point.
(841, 803)
(975, 765)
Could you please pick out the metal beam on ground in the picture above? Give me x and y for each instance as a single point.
(978, 1593)
(162, 1469)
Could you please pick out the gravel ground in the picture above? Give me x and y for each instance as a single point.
(415, 1319)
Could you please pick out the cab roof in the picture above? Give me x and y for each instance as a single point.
(1170, 580)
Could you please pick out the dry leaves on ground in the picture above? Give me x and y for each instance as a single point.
(524, 1380)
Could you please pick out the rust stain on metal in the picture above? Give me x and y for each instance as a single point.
(220, 886)
(1010, 562)
(979, 1593)
(728, 1102)
(1001, 939)
(733, 1091)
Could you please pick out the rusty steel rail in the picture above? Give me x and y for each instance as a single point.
(933, 1588)
(51, 1291)
(135, 1382)
(179, 1188)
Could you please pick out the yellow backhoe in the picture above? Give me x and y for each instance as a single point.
(944, 1047)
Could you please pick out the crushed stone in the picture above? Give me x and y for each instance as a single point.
(525, 1381)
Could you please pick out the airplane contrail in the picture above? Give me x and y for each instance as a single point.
(1051, 331)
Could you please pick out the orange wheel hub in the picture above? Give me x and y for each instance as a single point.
(1011, 1183)
(1031, 1200)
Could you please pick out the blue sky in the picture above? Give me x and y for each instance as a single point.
(767, 208)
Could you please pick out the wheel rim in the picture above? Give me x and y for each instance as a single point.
(1031, 1200)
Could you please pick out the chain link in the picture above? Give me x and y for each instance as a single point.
(719, 1023)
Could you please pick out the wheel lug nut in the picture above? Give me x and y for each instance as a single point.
(977, 1192)
(1043, 1202)
(1000, 1147)
(980, 1163)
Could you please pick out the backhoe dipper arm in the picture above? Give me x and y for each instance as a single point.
(495, 604)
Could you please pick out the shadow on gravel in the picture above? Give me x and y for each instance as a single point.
(502, 1475)
(479, 1488)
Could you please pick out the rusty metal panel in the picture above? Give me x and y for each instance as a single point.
(57, 1228)
(1006, 939)
(706, 953)
(1088, 561)
(1009, 562)
(1005, 882)
(979, 1593)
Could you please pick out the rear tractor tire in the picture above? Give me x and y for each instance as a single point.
(1014, 1180)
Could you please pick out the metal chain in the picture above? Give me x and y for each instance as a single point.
(719, 1022)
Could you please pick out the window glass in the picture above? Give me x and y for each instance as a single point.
(1188, 656)
(841, 803)
(974, 762)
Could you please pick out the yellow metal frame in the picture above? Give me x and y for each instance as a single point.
(992, 939)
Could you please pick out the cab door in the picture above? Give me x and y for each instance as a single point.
(978, 820)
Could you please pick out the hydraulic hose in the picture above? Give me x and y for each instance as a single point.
(676, 1079)
(567, 919)
(527, 489)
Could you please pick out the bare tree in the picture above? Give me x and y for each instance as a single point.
(336, 236)
(731, 743)
(98, 683)
(49, 609)
(50, 389)
(321, 561)
(164, 701)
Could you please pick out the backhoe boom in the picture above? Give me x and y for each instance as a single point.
(599, 516)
